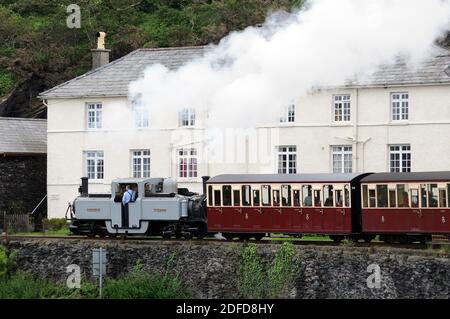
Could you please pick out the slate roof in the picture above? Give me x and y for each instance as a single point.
(23, 136)
(113, 79)
(434, 70)
(407, 177)
(283, 178)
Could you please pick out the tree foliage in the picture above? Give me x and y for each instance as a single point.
(39, 51)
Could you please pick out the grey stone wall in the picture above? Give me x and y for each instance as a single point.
(209, 269)
(23, 181)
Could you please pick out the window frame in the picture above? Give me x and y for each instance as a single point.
(142, 157)
(289, 114)
(187, 117)
(97, 115)
(403, 116)
(189, 157)
(96, 158)
(342, 108)
(289, 150)
(344, 151)
(401, 152)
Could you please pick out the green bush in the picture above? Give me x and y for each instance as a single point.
(282, 270)
(7, 262)
(55, 224)
(254, 281)
(251, 274)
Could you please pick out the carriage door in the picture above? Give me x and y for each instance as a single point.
(416, 213)
(339, 205)
(134, 208)
(116, 207)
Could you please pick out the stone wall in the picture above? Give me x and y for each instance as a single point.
(209, 269)
(23, 181)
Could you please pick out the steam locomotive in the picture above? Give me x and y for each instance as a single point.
(398, 207)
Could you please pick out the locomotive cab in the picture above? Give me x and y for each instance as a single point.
(155, 207)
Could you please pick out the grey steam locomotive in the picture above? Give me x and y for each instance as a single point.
(159, 207)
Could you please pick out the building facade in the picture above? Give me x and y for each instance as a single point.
(397, 120)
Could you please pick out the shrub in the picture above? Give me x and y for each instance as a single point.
(251, 277)
(7, 262)
(255, 282)
(282, 270)
(54, 224)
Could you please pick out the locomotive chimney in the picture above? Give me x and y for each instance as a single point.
(205, 179)
(84, 188)
(100, 55)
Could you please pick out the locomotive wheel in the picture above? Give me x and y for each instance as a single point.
(187, 236)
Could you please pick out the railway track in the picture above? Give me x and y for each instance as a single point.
(146, 240)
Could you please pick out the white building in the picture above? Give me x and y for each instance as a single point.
(398, 120)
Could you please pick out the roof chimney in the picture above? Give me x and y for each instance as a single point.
(100, 55)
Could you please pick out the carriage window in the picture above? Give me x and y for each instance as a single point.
(442, 198)
(347, 196)
(402, 195)
(246, 190)
(286, 195)
(317, 199)
(433, 195)
(296, 197)
(365, 196)
(414, 197)
(328, 195)
(448, 195)
(339, 199)
(265, 195)
(392, 198)
(307, 195)
(217, 197)
(226, 193)
(236, 197)
(382, 196)
(423, 195)
(372, 198)
(276, 197)
(256, 197)
(210, 196)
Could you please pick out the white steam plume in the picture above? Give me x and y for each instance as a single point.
(250, 75)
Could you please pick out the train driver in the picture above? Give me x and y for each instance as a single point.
(129, 195)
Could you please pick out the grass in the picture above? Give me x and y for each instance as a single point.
(137, 284)
(59, 232)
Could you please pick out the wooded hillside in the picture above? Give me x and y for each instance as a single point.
(39, 51)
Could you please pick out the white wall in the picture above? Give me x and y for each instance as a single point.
(428, 132)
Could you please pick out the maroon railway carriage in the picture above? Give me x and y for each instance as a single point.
(406, 207)
(251, 205)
